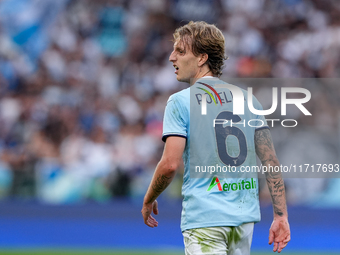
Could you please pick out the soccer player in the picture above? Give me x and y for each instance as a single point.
(218, 214)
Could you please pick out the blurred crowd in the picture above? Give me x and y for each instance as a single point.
(83, 120)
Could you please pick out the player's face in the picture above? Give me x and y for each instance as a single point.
(184, 61)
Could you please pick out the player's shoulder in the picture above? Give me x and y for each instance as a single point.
(238, 88)
(180, 97)
(256, 103)
(229, 86)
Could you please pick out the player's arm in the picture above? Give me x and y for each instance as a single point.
(266, 153)
(279, 232)
(164, 174)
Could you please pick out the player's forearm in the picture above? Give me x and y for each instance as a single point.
(277, 191)
(266, 153)
(275, 185)
(161, 179)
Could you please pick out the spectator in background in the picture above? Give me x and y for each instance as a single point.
(103, 65)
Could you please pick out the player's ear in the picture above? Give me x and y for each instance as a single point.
(202, 59)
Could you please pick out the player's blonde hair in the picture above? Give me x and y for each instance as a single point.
(202, 38)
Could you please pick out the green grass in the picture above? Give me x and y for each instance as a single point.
(85, 252)
(124, 252)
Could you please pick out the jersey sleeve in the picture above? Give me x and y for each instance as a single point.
(261, 122)
(174, 123)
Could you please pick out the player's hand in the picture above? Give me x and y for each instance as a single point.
(279, 233)
(146, 212)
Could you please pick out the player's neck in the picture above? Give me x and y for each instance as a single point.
(206, 73)
(203, 73)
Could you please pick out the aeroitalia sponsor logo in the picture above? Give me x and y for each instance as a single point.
(242, 185)
(215, 181)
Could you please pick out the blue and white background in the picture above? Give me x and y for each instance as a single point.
(83, 87)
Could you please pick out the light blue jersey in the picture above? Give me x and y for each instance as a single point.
(216, 192)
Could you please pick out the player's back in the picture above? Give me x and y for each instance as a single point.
(219, 144)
